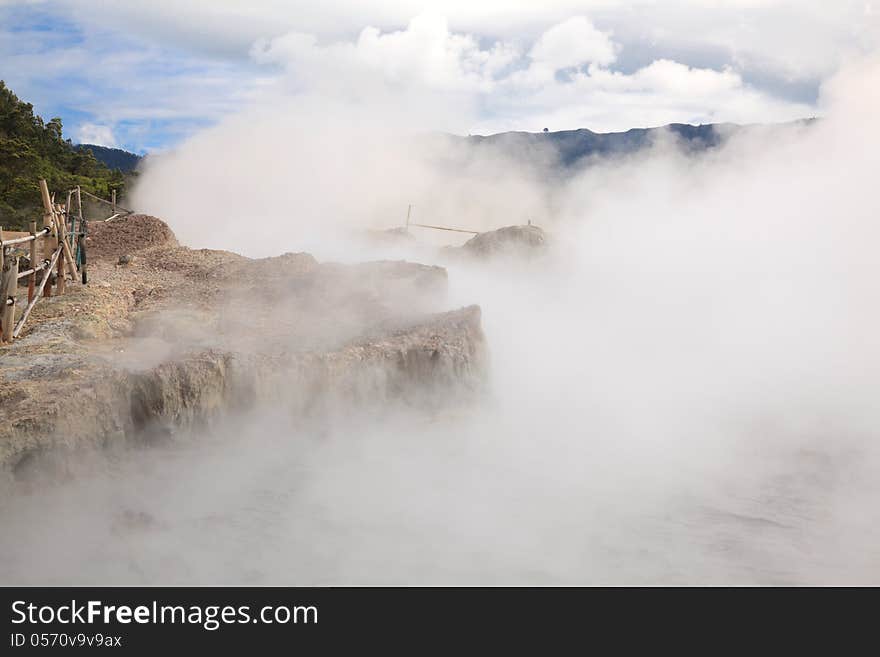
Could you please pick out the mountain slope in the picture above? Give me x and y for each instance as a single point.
(568, 148)
(30, 149)
(112, 158)
(571, 146)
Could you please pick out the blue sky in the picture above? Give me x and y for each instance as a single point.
(104, 82)
(146, 75)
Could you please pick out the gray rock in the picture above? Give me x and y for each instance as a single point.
(516, 241)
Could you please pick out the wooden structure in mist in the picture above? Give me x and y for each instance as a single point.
(54, 251)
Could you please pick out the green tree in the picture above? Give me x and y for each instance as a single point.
(31, 149)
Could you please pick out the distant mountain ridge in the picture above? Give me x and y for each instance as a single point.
(568, 148)
(113, 158)
(571, 146)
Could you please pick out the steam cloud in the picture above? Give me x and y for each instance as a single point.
(684, 391)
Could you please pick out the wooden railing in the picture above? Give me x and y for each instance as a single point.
(454, 230)
(63, 251)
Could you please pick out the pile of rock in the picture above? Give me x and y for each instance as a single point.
(516, 241)
(127, 235)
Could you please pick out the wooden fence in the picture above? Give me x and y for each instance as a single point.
(53, 252)
(454, 230)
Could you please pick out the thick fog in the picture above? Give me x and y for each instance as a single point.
(682, 390)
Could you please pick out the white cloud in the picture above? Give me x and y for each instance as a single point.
(671, 77)
(572, 43)
(92, 133)
(425, 54)
(500, 86)
(603, 101)
(494, 65)
(799, 39)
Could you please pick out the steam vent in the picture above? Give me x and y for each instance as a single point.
(166, 338)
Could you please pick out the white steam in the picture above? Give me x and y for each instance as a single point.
(684, 391)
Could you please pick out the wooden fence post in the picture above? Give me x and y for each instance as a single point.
(32, 279)
(82, 229)
(8, 288)
(47, 203)
(113, 200)
(48, 242)
(66, 254)
(61, 280)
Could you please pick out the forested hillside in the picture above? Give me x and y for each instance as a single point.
(115, 158)
(30, 149)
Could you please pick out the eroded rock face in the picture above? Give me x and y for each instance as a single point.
(59, 405)
(443, 355)
(179, 337)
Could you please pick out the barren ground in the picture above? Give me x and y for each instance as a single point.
(168, 334)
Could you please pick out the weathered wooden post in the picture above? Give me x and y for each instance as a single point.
(8, 288)
(113, 199)
(32, 279)
(82, 229)
(49, 243)
(61, 283)
(54, 220)
(65, 243)
(60, 278)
